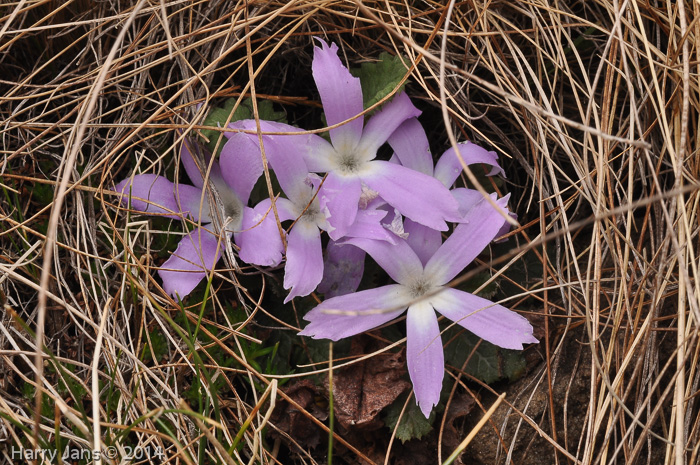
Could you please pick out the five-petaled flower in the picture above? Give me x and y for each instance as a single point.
(304, 266)
(254, 229)
(349, 159)
(422, 288)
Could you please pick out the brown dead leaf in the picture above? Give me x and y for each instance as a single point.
(461, 406)
(363, 389)
(293, 421)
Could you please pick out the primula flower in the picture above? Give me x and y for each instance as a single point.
(412, 150)
(343, 267)
(350, 161)
(304, 265)
(254, 231)
(422, 289)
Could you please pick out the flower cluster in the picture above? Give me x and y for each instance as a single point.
(393, 210)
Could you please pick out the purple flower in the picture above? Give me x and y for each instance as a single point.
(412, 150)
(343, 267)
(422, 289)
(253, 229)
(304, 266)
(350, 161)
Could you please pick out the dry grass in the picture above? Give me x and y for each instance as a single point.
(593, 106)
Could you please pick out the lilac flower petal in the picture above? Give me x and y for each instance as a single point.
(286, 210)
(374, 307)
(423, 240)
(188, 161)
(467, 199)
(411, 147)
(156, 195)
(196, 253)
(424, 355)
(285, 153)
(241, 164)
(398, 260)
(196, 172)
(250, 126)
(368, 225)
(448, 167)
(318, 152)
(384, 123)
(341, 95)
(489, 321)
(288, 165)
(479, 227)
(304, 268)
(505, 229)
(339, 197)
(416, 195)
(343, 267)
(259, 239)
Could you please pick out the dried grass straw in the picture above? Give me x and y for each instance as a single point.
(592, 106)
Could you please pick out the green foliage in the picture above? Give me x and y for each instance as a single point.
(413, 423)
(488, 362)
(317, 349)
(42, 193)
(476, 281)
(156, 348)
(218, 116)
(379, 78)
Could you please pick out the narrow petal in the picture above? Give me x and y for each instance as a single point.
(411, 147)
(368, 225)
(505, 229)
(341, 95)
(416, 195)
(467, 199)
(318, 153)
(478, 228)
(285, 153)
(449, 167)
(339, 197)
(489, 321)
(153, 194)
(196, 253)
(385, 122)
(343, 267)
(288, 165)
(398, 260)
(259, 239)
(423, 240)
(424, 355)
(285, 208)
(365, 310)
(188, 161)
(304, 268)
(241, 164)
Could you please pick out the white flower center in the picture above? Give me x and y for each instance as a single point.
(419, 288)
(312, 213)
(230, 207)
(348, 163)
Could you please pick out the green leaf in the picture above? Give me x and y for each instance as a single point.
(413, 423)
(378, 79)
(476, 281)
(218, 116)
(488, 362)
